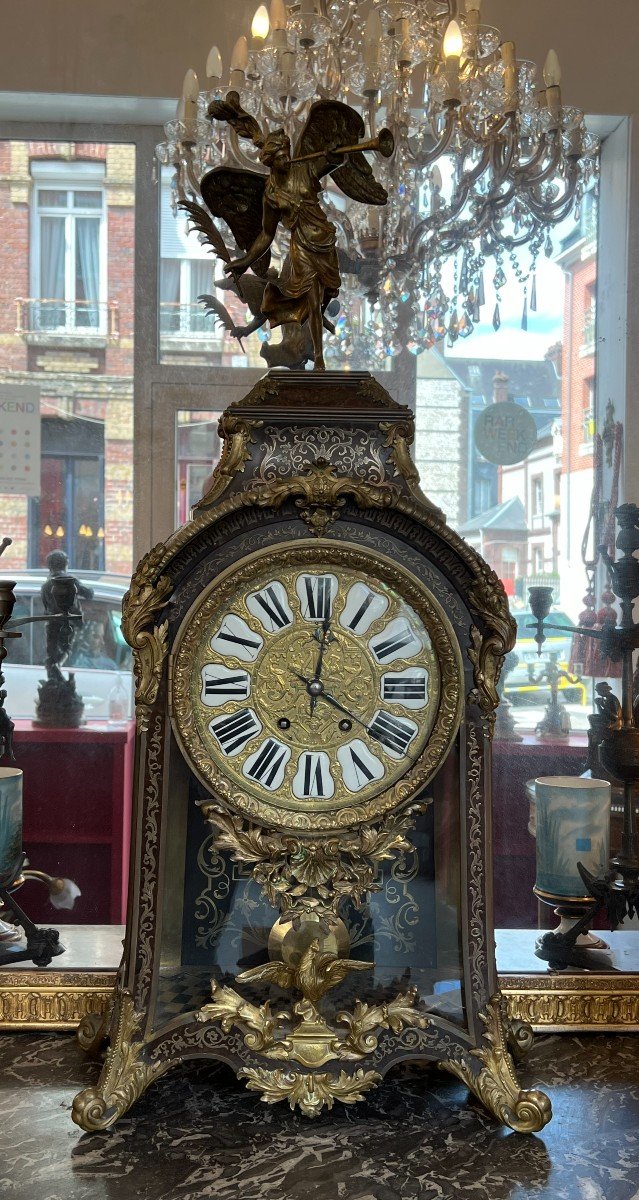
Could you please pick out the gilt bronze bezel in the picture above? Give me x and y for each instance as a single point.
(445, 725)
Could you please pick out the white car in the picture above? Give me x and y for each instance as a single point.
(100, 658)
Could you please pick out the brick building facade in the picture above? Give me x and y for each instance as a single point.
(578, 258)
(67, 228)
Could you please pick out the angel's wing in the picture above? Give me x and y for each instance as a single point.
(238, 197)
(231, 110)
(356, 179)
(270, 972)
(331, 124)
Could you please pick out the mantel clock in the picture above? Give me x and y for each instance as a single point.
(317, 655)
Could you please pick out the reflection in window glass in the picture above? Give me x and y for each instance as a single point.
(197, 453)
(526, 519)
(66, 278)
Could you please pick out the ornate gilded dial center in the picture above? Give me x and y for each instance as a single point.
(279, 692)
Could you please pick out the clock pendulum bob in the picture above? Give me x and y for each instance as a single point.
(317, 657)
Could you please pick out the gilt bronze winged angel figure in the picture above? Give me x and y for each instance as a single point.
(254, 204)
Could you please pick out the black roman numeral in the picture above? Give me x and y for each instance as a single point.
(313, 779)
(385, 647)
(362, 610)
(317, 589)
(268, 762)
(360, 767)
(225, 636)
(392, 732)
(404, 687)
(236, 730)
(272, 606)
(227, 685)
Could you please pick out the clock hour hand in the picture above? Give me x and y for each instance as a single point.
(323, 637)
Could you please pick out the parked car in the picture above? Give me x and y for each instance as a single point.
(518, 687)
(100, 658)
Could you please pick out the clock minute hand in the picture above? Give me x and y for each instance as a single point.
(316, 688)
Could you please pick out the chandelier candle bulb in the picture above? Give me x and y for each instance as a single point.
(239, 62)
(214, 67)
(372, 39)
(260, 27)
(510, 76)
(452, 49)
(552, 79)
(190, 90)
(402, 33)
(279, 20)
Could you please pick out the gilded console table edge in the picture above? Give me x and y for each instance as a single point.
(573, 1003)
(59, 1000)
(52, 1000)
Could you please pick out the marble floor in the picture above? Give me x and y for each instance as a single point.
(197, 1133)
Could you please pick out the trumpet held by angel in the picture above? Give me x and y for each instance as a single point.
(253, 204)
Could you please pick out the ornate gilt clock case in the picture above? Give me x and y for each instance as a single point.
(316, 656)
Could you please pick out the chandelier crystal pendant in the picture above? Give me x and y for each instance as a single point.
(486, 161)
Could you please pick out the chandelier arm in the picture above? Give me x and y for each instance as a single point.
(429, 156)
(494, 127)
(179, 182)
(510, 242)
(554, 213)
(193, 181)
(531, 164)
(531, 180)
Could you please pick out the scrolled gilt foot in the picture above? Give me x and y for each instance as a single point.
(495, 1083)
(519, 1038)
(125, 1074)
(93, 1029)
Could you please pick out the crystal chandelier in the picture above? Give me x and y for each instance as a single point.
(486, 160)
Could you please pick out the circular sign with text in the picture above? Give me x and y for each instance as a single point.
(505, 433)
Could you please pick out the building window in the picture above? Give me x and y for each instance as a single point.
(588, 424)
(69, 514)
(590, 318)
(509, 564)
(537, 557)
(181, 282)
(68, 255)
(537, 495)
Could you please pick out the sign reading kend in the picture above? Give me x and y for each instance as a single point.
(20, 439)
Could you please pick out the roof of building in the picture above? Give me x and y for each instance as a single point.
(510, 515)
(533, 380)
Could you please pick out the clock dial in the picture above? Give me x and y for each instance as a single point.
(311, 684)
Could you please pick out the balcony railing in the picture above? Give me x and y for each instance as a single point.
(185, 321)
(68, 318)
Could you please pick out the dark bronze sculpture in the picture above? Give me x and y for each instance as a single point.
(556, 719)
(254, 205)
(58, 701)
